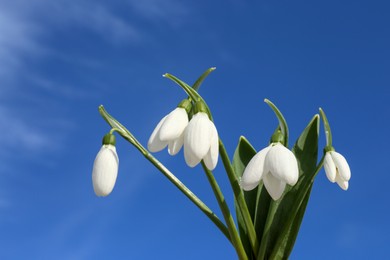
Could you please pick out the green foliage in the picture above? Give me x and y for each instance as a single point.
(244, 152)
(267, 229)
(277, 222)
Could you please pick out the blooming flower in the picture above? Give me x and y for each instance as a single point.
(169, 131)
(337, 169)
(105, 170)
(201, 141)
(276, 166)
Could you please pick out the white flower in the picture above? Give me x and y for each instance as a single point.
(276, 166)
(169, 131)
(201, 141)
(337, 169)
(105, 170)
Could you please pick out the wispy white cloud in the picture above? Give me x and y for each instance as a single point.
(23, 134)
(94, 16)
(59, 89)
(25, 26)
(17, 38)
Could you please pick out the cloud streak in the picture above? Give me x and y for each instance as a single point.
(26, 26)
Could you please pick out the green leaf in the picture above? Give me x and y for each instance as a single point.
(285, 215)
(263, 202)
(242, 155)
(287, 243)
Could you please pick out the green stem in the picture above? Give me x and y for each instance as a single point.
(236, 241)
(239, 195)
(189, 90)
(265, 237)
(298, 203)
(192, 93)
(199, 81)
(171, 177)
(297, 206)
(282, 122)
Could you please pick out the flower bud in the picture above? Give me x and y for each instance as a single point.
(105, 167)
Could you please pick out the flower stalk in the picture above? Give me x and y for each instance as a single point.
(271, 187)
(169, 175)
(236, 241)
(239, 195)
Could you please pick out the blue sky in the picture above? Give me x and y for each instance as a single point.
(59, 60)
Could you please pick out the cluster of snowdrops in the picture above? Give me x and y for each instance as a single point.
(281, 171)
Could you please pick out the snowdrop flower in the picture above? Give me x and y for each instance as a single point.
(105, 167)
(276, 166)
(201, 139)
(337, 169)
(170, 130)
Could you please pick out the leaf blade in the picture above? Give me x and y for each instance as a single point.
(242, 155)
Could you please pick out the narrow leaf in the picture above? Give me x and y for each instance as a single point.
(242, 155)
(285, 215)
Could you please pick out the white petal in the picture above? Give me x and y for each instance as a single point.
(330, 168)
(343, 184)
(254, 170)
(175, 145)
(190, 158)
(105, 170)
(197, 136)
(274, 186)
(174, 125)
(341, 165)
(154, 143)
(282, 164)
(211, 158)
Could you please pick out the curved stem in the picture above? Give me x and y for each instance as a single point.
(190, 91)
(199, 81)
(236, 241)
(239, 195)
(282, 122)
(171, 177)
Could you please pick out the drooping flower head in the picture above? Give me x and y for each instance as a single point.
(105, 167)
(201, 139)
(170, 130)
(335, 165)
(337, 168)
(275, 165)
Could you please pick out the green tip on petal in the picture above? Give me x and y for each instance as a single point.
(109, 139)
